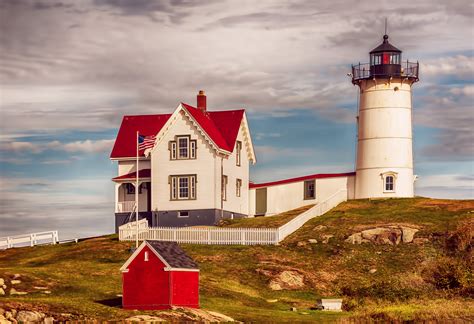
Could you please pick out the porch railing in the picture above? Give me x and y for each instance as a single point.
(224, 236)
(125, 206)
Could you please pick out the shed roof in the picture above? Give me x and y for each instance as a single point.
(172, 253)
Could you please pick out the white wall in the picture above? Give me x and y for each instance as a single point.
(283, 197)
(129, 166)
(234, 172)
(384, 138)
(162, 167)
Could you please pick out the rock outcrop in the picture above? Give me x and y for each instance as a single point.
(390, 234)
(287, 280)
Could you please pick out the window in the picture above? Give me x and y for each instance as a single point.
(224, 187)
(238, 187)
(183, 187)
(183, 214)
(193, 149)
(394, 58)
(309, 189)
(183, 143)
(183, 148)
(376, 59)
(130, 188)
(173, 150)
(389, 183)
(146, 255)
(238, 152)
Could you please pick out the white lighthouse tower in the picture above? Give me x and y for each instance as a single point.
(384, 164)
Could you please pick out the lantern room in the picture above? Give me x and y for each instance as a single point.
(385, 59)
(385, 62)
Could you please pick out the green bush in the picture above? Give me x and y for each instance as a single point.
(449, 273)
(390, 289)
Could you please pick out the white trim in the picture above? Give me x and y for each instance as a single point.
(137, 252)
(248, 137)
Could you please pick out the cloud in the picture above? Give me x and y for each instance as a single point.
(454, 186)
(86, 146)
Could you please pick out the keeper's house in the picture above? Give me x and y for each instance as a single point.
(196, 173)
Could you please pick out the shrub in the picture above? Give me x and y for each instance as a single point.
(389, 289)
(449, 273)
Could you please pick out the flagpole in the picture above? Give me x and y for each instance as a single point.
(136, 196)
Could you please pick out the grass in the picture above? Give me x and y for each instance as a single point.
(84, 277)
(273, 221)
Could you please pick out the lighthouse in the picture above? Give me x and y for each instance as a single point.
(384, 161)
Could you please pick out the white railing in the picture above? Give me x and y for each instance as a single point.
(315, 211)
(125, 206)
(32, 239)
(204, 235)
(223, 235)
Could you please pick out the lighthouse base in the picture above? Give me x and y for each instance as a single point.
(374, 183)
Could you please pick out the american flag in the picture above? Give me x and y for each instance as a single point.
(146, 142)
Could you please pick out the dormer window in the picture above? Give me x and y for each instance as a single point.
(389, 179)
(183, 148)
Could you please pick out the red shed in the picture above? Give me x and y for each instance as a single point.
(159, 275)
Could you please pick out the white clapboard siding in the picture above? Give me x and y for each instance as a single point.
(223, 235)
(31, 239)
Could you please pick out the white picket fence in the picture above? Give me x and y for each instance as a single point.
(31, 239)
(225, 236)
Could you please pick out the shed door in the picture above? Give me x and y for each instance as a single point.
(261, 201)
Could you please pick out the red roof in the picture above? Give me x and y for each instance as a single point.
(221, 126)
(308, 177)
(144, 173)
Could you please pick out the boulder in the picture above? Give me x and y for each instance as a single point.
(3, 320)
(30, 317)
(408, 234)
(2, 292)
(326, 238)
(2, 281)
(145, 318)
(312, 241)
(420, 240)
(373, 270)
(391, 235)
(300, 244)
(13, 291)
(320, 228)
(15, 282)
(16, 276)
(48, 320)
(287, 280)
(356, 238)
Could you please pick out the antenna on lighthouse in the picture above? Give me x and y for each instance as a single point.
(385, 26)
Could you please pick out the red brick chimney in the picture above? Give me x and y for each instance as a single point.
(201, 101)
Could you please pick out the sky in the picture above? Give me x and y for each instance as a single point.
(69, 71)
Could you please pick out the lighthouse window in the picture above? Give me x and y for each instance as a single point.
(395, 59)
(376, 59)
(389, 183)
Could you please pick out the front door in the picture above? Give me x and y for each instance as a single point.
(261, 201)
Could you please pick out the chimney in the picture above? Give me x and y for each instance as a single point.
(201, 101)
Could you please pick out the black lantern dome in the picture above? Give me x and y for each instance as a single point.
(385, 59)
(385, 62)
